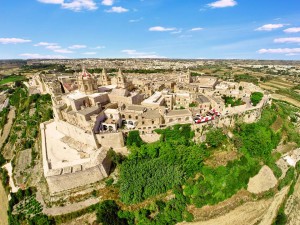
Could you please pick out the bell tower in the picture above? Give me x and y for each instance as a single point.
(86, 82)
(121, 81)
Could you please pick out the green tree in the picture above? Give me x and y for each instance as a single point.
(107, 214)
(256, 97)
(215, 137)
(134, 139)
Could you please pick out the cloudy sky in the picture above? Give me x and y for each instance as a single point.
(200, 29)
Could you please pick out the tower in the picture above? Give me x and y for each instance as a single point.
(104, 80)
(188, 77)
(121, 81)
(86, 82)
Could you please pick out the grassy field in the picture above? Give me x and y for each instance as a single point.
(12, 78)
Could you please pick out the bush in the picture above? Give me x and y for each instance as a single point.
(134, 139)
(256, 97)
(215, 137)
(107, 214)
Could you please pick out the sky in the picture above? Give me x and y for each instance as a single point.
(186, 29)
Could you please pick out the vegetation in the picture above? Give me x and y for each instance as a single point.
(246, 77)
(193, 104)
(107, 214)
(256, 97)
(134, 139)
(258, 139)
(215, 137)
(3, 117)
(232, 101)
(12, 78)
(289, 93)
(24, 208)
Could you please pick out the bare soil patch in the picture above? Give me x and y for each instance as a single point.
(292, 207)
(286, 99)
(277, 124)
(22, 169)
(3, 206)
(221, 158)
(251, 213)
(212, 211)
(10, 117)
(150, 138)
(263, 181)
(287, 147)
(87, 219)
(269, 88)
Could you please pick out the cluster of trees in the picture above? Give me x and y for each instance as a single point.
(258, 139)
(3, 117)
(217, 184)
(167, 213)
(152, 169)
(232, 101)
(256, 97)
(215, 137)
(245, 77)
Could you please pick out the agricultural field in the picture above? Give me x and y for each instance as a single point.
(11, 79)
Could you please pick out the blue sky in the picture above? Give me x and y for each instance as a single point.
(208, 29)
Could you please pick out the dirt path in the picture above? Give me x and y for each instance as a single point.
(10, 117)
(256, 212)
(9, 169)
(56, 211)
(3, 206)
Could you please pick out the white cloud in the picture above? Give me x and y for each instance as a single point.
(44, 44)
(279, 51)
(161, 29)
(79, 5)
(65, 51)
(77, 46)
(291, 54)
(196, 29)
(53, 47)
(13, 40)
(74, 5)
(177, 31)
(52, 1)
(99, 47)
(117, 9)
(292, 30)
(270, 27)
(135, 54)
(287, 40)
(107, 2)
(223, 4)
(89, 53)
(39, 56)
(136, 20)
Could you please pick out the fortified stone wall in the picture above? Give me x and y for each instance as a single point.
(110, 140)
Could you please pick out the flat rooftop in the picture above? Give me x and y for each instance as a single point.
(179, 112)
(59, 153)
(154, 99)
